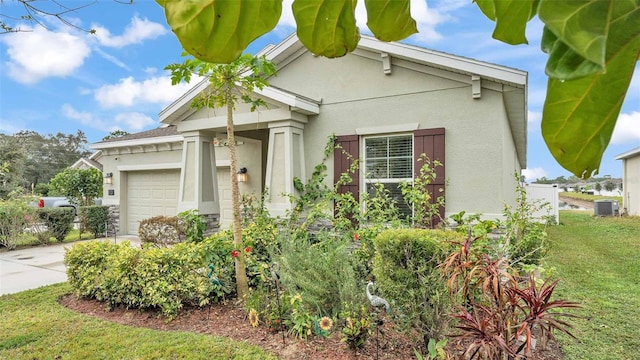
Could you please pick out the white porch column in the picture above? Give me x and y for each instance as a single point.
(198, 180)
(285, 160)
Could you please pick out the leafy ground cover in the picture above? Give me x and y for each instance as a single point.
(35, 326)
(598, 260)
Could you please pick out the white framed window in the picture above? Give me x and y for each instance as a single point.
(389, 160)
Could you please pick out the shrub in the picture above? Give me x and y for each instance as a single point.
(192, 224)
(59, 220)
(161, 230)
(118, 274)
(15, 217)
(501, 311)
(406, 269)
(94, 219)
(321, 272)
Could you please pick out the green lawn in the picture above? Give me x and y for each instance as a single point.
(34, 326)
(581, 196)
(598, 260)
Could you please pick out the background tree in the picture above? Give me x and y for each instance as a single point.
(593, 47)
(609, 185)
(598, 187)
(12, 159)
(227, 82)
(80, 186)
(115, 134)
(49, 154)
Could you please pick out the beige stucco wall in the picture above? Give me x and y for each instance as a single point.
(355, 93)
(631, 185)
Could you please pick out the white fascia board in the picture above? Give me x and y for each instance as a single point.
(484, 69)
(138, 142)
(182, 101)
(273, 51)
(628, 154)
(305, 106)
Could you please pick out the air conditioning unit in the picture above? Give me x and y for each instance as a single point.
(605, 207)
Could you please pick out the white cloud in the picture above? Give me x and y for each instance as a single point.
(627, 129)
(534, 174)
(129, 92)
(134, 121)
(135, 33)
(40, 53)
(129, 121)
(533, 121)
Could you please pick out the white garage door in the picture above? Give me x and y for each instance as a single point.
(149, 194)
(224, 191)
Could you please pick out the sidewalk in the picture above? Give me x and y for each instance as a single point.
(38, 266)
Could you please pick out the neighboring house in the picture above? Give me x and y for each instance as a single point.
(386, 102)
(93, 161)
(630, 181)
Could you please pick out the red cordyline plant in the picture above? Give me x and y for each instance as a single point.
(501, 311)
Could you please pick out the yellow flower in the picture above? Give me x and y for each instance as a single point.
(325, 323)
(296, 297)
(254, 320)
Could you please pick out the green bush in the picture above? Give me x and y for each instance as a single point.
(15, 217)
(321, 272)
(161, 230)
(94, 219)
(406, 268)
(59, 220)
(118, 274)
(193, 225)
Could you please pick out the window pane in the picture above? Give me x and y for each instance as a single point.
(400, 146)
(400, 168)
(376, 169)
(376, 147)
(395, 194)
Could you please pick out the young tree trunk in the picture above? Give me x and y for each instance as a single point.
(242, 282)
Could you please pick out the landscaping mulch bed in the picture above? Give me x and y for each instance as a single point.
(230, 320)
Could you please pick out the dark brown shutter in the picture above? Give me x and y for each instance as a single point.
(348, 144)
(431, 143)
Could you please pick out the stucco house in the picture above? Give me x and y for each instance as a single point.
(93, 161)
(386, 102)
(630, 181)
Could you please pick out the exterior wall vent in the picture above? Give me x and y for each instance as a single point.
(605, 208)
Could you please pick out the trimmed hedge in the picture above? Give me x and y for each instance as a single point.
(59, 220)
(119, 274)
(161, 230)
(94, 218)
(405, 266)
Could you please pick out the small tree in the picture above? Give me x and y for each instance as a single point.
(598, 187)
(227, 82)
(80, 186)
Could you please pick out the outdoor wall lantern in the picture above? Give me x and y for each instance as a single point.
(108, 178)
(242, 175)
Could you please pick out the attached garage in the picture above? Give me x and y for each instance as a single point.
(224, 191)
(149, 194)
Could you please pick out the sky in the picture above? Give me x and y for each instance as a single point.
(63, 79)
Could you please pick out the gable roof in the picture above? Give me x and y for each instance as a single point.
(88, 162)
(162, 134)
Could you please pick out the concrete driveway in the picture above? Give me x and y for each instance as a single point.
(37, 266)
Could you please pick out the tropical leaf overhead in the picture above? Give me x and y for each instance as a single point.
(593, 48)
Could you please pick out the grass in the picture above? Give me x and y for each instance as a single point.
(35, 326)
(581, 196)
(598, 260)
(29, 239)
